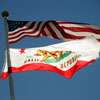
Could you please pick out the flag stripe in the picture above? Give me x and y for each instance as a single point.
(78, 25)
(52, 32)
(62, 22)
(18, 39)
(46, 67)
(75, 29)
(57, 32)
(62, 32)
(46, 33)
(82, 33)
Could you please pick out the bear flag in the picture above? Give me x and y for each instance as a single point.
(52, 29)
(64, 58)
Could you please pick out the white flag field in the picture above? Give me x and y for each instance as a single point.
(65, 58)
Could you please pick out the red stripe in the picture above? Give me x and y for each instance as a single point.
(4, 75)
(98, 40)
(72, 23)
(43, 33)
(81, 64)
(14, 41)
(65, 35)
(73, 37)
(78, 29)
(52, 32)
(24, 34)
(46, 67)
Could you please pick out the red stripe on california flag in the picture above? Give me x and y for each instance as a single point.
(4, 75)
(46, 67)
(82, 63)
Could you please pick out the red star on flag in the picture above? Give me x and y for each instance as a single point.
(22, 51)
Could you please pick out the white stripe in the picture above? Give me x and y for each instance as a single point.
(82, 33)
(81, 25)
(47, 32)
(12, 40)
(27, 25)
(57, 32)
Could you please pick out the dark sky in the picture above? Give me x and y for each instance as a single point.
(45, 85)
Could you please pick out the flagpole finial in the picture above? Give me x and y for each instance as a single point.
(5, 14)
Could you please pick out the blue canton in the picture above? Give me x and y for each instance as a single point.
(13, 25)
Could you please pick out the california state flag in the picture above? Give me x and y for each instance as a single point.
(64, 58)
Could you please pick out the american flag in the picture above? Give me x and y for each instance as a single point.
(54, 29)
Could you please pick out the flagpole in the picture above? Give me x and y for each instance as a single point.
(5, 15)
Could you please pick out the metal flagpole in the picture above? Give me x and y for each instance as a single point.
(5, 15)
